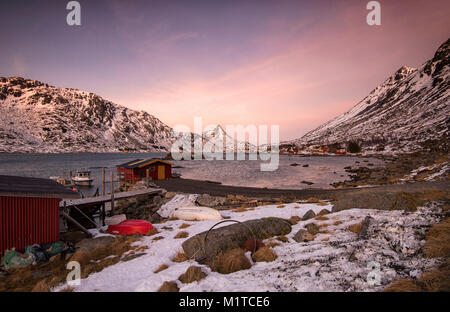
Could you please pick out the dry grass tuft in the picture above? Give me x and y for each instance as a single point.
(249, 245)
(230, 261)
(280, 206)
(272, 244)
(264, 254)
(162, 267)
(192, 274)
(157, 238)
(41, 286)
(337, 222)
(179, 257)
(294, 220)
(95, 261)
(240, 209)
(152, 232)
(283, 239)
(355, 228)
(322, 204)
(437, 280)
(67, 289)
(169, 287)
(82, 256)
(321, 218)
(438, 240)
(312, 200)
(414, 200)
(184, 225)
(182, 234)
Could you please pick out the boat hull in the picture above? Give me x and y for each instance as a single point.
(82, 182)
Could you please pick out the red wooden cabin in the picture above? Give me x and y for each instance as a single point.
(136, 170)
(29, 211)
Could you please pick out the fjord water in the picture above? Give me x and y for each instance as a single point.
(320, 170)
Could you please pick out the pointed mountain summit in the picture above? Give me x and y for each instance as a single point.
(409, 111)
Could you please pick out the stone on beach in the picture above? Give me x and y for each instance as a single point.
(233, 236)
(308, 215)
(303, 236)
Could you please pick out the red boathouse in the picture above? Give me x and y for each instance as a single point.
(136, 170)
(29, 211)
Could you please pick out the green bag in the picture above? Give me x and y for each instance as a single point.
(14, 260)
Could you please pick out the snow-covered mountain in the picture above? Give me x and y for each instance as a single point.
(214, 135)
(36, 117)
(407, 112)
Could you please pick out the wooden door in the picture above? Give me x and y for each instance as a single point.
(161, 172)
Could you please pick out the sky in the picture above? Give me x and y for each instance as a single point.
(295, 64)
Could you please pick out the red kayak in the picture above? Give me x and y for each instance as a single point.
(130, 227)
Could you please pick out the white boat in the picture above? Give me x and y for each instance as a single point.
(197, 213)
(82, 178)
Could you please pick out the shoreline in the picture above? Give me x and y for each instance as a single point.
(191, 186)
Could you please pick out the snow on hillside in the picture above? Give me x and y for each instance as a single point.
(36, 117)
(407, 112)
(336, 260)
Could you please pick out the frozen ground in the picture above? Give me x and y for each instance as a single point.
(336, 260)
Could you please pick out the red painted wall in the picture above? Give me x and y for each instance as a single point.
(134, 175)
(28, 220)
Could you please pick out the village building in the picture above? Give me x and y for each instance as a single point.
(30, 211)
(137, 170)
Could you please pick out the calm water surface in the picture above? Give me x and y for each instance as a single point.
(321, 170)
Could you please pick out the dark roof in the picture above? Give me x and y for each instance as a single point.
(33, 187)
(142, 163)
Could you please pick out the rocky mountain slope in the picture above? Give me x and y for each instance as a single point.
(410, 111)
(36, 117)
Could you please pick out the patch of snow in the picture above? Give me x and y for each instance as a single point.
(337, 260)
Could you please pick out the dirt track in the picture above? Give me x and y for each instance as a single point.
(204, 187)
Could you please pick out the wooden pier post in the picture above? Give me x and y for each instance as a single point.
(103, 214)
(103, 181)
(112, 192)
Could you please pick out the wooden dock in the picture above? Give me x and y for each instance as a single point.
(81, 204)
(107, 198)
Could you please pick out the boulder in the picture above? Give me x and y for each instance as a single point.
(233, 236)
(303, 236)
(312, 228)
(210, 201)
(323, 212)
(308, 215)
(115, 219)
(91, 243)
(155, 218)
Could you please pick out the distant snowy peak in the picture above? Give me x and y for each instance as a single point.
(37, 117)
(409, 111)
